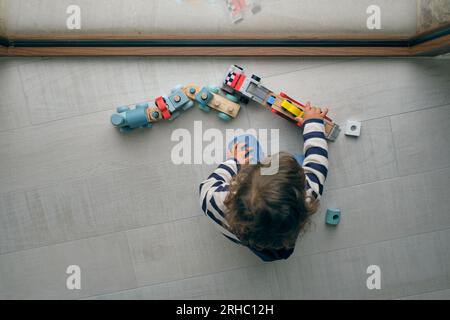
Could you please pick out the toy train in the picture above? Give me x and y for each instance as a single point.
(246, 88)
(236, 87)
(143, 115)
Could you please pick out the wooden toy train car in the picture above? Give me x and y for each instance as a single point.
(237, 83)
(209, 98)
(144, 114)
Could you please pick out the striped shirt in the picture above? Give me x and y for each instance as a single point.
(215, 188)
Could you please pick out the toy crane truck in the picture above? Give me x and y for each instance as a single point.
(246, 88)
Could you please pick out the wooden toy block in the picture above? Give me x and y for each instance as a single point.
(333, 216)
(177, 100)
(287, 105)
(352, 128)
(154, 114)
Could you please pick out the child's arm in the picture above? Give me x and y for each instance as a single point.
(315, 149)
(215, 188)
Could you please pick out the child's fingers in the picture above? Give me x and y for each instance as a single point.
(234, 150)
(299, 121)
(237, 147)
(243, 147)
(324, 112)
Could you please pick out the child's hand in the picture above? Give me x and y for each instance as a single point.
(240, 153)
(311, 112)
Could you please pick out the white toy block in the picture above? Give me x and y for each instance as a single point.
(353, 128)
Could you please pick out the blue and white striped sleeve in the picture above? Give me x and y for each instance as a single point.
(213, 192)
(315, 150)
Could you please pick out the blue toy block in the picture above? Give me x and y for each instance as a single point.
(178, 100)
(127, 119)
(204, 96)
(333, 216)
(250, 141)
(300, 158)
(271, 100)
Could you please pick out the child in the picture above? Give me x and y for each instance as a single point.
(266, 213)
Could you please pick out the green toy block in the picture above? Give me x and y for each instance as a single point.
(333, 216)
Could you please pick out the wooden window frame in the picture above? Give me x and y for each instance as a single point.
(430, 43)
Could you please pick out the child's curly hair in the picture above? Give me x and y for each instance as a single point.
(269, 211)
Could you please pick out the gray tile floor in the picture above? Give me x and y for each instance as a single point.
(75, 191)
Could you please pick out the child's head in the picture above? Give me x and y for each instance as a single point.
(269, 211)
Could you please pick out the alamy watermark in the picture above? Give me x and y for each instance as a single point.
(73, 21)
(190, 148)
(373, 22)
(374, 280)
(73, 281)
